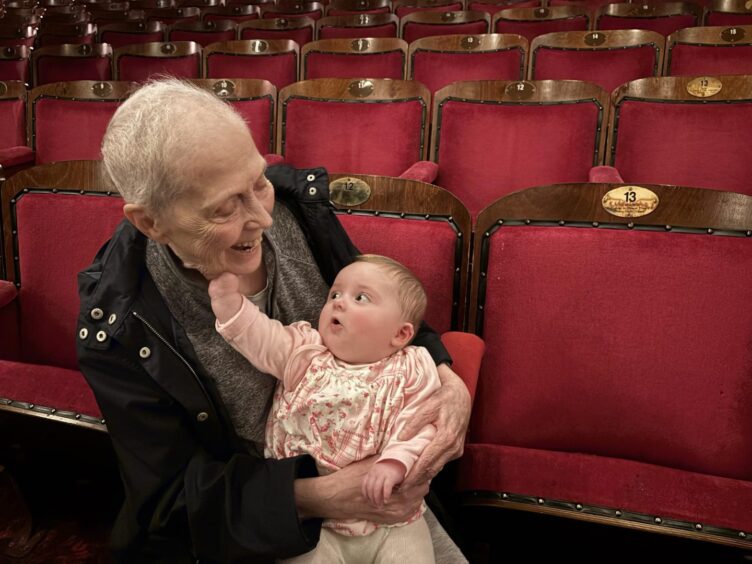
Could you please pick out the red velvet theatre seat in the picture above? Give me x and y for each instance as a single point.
(14, 153)
(254, 100)
(397, 215)
(203, 33)
(14, 63)
(313, 10)
(680, 130)
(401, 8)
(728, 12)
(60, 63)
(237, 13)
(299, 30)
(355, 27)
(169, 16)
(67, 120)
(39, 304)
(709, 50)
(12, 34)
(139, 63)
(368, 126)
(531, 22)
(358, 7)
(494, 137)
(59, 34)
(115, 13)
(439, 61)
(607, 58)
(275, 60)
(427, 24)
(130, 33)
(384, 57)
(491, 7)
(616, 382)
(664, 18)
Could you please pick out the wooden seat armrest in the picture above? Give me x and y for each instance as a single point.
(467, 351)
(8, 293)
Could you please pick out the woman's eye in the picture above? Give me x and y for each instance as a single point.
(362, 298)
(226, 209)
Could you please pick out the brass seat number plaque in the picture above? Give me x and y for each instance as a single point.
(630, 201)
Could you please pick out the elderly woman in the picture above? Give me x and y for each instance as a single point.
(185, 412)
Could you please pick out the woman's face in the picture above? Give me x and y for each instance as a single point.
(216, 224)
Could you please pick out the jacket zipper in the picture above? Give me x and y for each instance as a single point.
(175, 352)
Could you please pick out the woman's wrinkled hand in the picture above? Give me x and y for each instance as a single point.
(339, 496)
(448, 409)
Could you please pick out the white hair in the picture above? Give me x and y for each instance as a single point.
(153, 135)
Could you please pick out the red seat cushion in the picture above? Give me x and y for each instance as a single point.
(15, 156)
(13, 118)
(608, 482)
(416, 30)
(331, 32)
(531, 29)
(48, 386)
(63, 69)
(437, 69)
(14, 69)
(346, 65)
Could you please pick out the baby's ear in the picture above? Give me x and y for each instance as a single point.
(404, 335)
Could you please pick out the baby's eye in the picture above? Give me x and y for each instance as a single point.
(362, 298)
(334, 295)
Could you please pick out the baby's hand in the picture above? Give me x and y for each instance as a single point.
(380, 481)
(225, 298)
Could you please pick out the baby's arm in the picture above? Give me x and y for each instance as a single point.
(265, 342)
(398, 457)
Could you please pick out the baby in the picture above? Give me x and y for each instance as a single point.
(347, 391)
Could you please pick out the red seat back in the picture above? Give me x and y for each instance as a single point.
(48, 263)
(13, 116)
(272, 60)
(490, 142)
(370, 126)
(375, 58)
(14, 63)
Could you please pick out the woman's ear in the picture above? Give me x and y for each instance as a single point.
(145, 222)
(404, 335)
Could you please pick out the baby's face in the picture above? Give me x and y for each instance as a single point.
(362, 321)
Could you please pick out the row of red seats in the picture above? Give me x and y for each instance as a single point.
(602, 333)
(528, 22)
(488, 138)
(605, 58)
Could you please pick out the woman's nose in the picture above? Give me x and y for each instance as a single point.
(257, 216)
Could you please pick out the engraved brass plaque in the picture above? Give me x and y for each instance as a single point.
(448, 16)
(360, 45)
(704, 86)
(541, 13)
(102, 89)
(349, 191)
(361, 88)
(644, 10)
(363, 19)
(520, 90)
(733, 34)
(470, 42)
(168, 48)
(210, 24)
(630, 201)
(224, 88)
(3, 88)
(595, 38)
(9, 52)
(259, 46)
(282, 22)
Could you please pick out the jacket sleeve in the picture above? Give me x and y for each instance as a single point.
(228, 506)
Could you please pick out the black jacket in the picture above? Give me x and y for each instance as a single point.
(191, 489)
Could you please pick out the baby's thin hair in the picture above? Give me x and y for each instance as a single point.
(411, 295)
